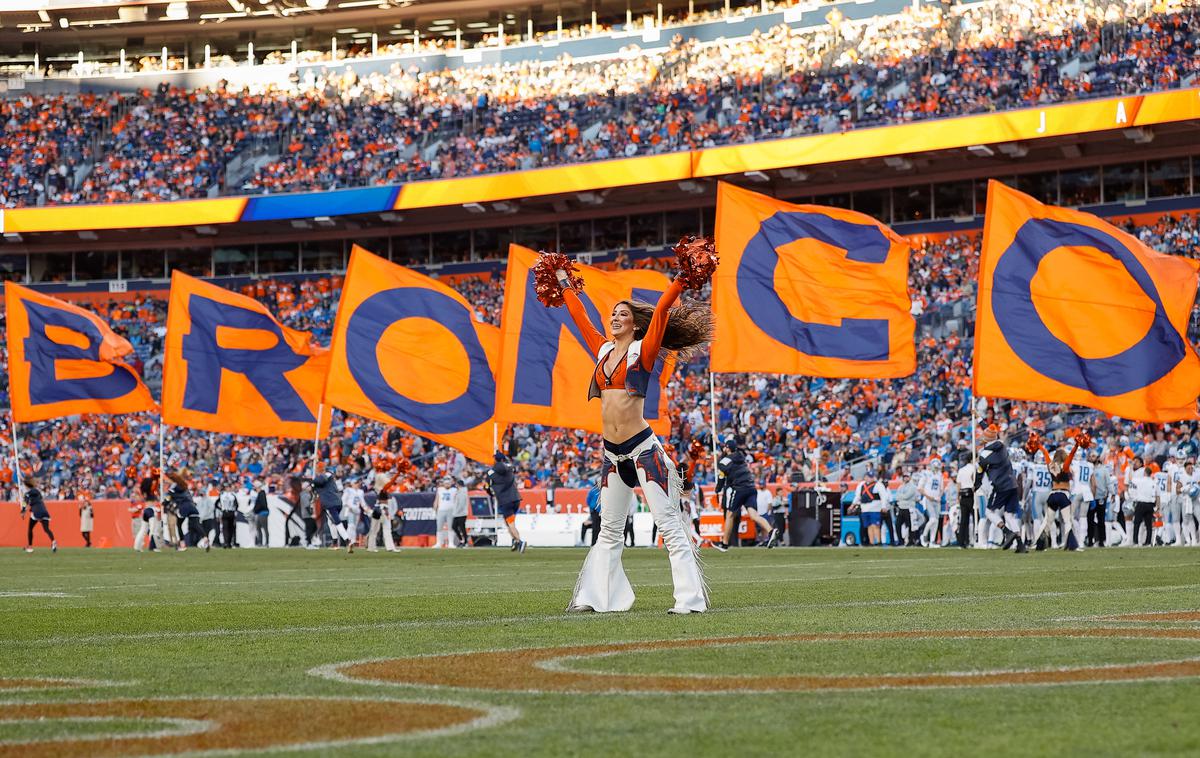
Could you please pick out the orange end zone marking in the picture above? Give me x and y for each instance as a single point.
(235, 724)
(537, 670)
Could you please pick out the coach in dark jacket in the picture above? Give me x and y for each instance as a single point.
(326, 488)
(1005, 504)
(503, 485)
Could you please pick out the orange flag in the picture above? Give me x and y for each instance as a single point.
(545, 366)
(231, 367)
(1073, 310)
(410, 351)
(64, 360)
(804, 289)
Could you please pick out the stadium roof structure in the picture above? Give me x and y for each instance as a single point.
(72, 24)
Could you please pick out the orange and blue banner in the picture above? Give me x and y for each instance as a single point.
(545, 366)
(231, 367)
(1073, 310)
(411, 352)
(805, 289)
(64, 360)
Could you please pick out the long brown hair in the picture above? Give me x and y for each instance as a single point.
(1058, 461)
(689, 326)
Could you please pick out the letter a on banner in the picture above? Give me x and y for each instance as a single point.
(410, 351)
(545, 366)
(231, 367)
(804, 289)
(64, 360)
(1073, 310)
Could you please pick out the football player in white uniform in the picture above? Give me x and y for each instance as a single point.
(444, 502)
(931, 484)
(1172, 501)
(1190, 484)
(1082, 497)
(1038, 480)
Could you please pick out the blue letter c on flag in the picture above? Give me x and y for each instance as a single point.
(856, 339)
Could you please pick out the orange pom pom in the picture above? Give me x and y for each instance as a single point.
(1033, 443)
(697, 260)
(545, 277)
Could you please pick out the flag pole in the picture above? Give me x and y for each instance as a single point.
(162, 466)
(712, 414)
(495, 435)
(974, 426)
(317, 436)
(17, 461)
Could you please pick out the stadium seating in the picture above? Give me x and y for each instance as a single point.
(341, 129)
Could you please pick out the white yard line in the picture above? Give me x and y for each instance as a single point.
(562, 618)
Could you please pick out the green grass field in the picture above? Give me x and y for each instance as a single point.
(243, 624)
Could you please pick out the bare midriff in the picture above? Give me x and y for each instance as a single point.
(621, 414)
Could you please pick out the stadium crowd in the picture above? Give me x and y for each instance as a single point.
(338, 129)
(782, 420)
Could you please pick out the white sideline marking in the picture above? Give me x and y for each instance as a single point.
(36, 593)
(560, 617)
(407, 580)
(737, 568)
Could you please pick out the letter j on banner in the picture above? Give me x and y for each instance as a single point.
(410, 351)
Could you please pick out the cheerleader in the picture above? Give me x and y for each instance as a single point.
(1061, 495)
(633, 455)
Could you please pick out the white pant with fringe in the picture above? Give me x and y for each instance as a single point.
(602, 584)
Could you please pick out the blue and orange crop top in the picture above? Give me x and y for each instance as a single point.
(630, 378)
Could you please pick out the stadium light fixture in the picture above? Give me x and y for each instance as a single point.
(691, 187)
(474, 208)
(325, 221)
(177, 11)
(504, 207)
(589, 198)
(44, 16)
(983, 151)
(88, 235)
(13, 237)
(63, 22)
(757, 176)
(898, 163)
(1139, 136)
(794, 174)
(317, 5)
(1014, 149)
